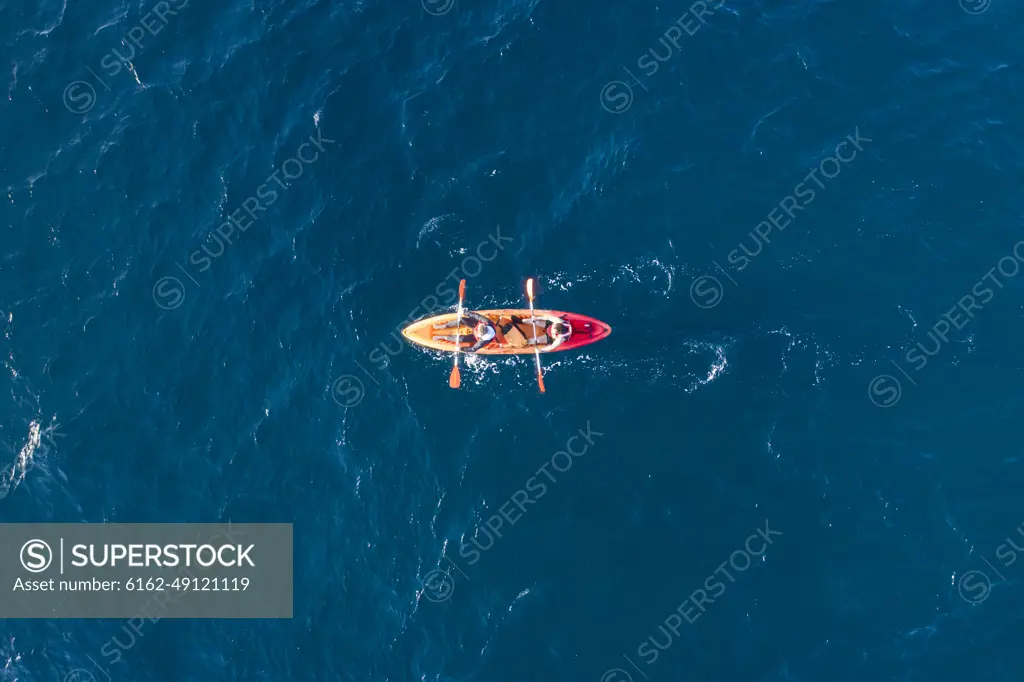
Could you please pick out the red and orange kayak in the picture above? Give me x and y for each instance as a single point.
(585, 331)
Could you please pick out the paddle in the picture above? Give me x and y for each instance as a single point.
(536, 350)
(455, 379)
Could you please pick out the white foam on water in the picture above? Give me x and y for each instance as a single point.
(431, 226)
(13, 474)
(644, 271)
(520, 596)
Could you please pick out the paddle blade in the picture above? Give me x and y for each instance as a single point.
(455, 380)
(529, 288)
(540, 381)
(462, 289)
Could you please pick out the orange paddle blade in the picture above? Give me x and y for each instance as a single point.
(462, 289)
(540, 380)
(529, 288)
(454, 380)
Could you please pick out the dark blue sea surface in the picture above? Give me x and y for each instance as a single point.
(803, 220)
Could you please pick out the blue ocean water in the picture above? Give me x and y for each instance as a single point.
(802, 219)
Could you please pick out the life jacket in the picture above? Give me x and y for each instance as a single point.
(499, 333)
(474, 319)
(514, 336)
(524, 331)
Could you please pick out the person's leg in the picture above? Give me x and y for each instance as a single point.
(463, 340)
(449, 325)
(540, 324)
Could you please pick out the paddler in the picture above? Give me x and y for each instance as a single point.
(483, 330)
(560, 332)
(551, 332)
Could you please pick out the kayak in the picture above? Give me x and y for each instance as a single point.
(584, 331)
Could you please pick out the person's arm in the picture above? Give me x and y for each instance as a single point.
(556, 343)
(476, 317)
(480, 343)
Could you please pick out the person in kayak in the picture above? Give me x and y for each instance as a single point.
(484, 334)
(483, 330)
(553, 332)
(559, 331)
(550, 332)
